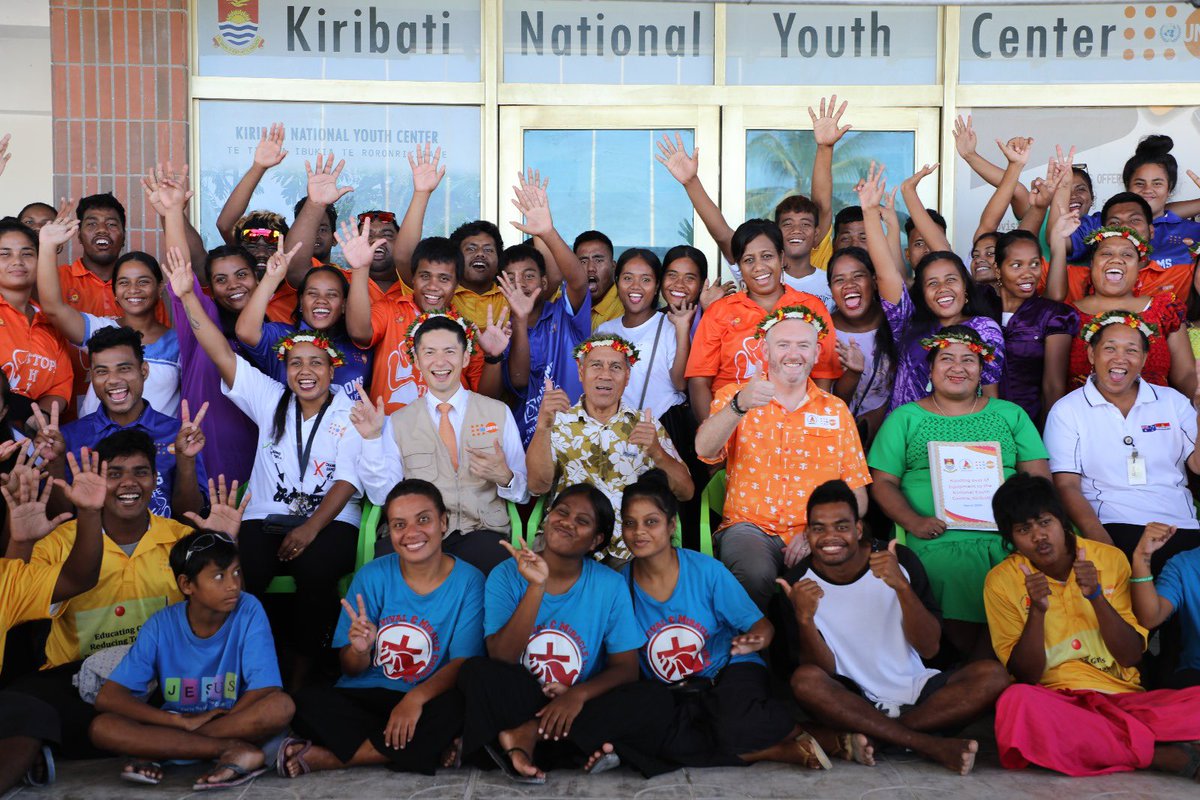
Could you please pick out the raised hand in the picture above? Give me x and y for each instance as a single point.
(554, 400)
(531, 566)
(178, 270)
(1065, 225)
(48, 442)
(362, 631)
(426, 175)
(89, 478)
(887, 210)
(675, 158)
(488, 464)
(493, 339)
(850, 355)
(225, 512)
(165, 189)
(825, 125)
(1016, 149)
(645, 433)
(871, 188)
(915, 179)
(366, 417)
(356, 244)
(1191, 174)
(965, 141)
(62, 228)
(1087, 577)
(532, 202)
(4, 154)
(269, 152)
(322, 181)
(190, 439)
(757, 393)
(805, 595)
(886, 567)
(712, 292)
(27, 506)
(277, 264)
(520, 304)
(1155, 535)
(1038, 589)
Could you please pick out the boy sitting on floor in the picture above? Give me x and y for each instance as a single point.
(213, 658)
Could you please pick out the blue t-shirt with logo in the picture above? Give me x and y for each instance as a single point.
(418, 633)
(574, 631)
(690, 634)
(1179, 584)
(197, 675)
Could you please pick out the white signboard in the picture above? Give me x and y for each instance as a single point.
(789, 44)
(1102, 43)
(572, 41)
(340, 39)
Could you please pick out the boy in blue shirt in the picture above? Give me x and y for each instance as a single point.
(1176, 589)
(213, 659)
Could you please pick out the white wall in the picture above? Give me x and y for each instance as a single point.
(25, 103)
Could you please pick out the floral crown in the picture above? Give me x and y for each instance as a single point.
(943, 339)
(1100, 234)
(317, 340)
(451, 314)
(802, 313)
(621, 345)
(1193, 248)
(1088, 331)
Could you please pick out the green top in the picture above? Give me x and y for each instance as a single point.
(1194, 338)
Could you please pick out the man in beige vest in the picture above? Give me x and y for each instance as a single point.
(462, 442)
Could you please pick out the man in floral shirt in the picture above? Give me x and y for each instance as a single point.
(600, 440)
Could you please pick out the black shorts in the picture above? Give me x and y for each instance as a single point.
(931, 686)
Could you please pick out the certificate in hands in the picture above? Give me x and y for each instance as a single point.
(964, 476)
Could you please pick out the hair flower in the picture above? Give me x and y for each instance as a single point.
(1113, 231)
(1127, 318)
(621, 345)
(943, 339)
(317, 340)
(802, 313)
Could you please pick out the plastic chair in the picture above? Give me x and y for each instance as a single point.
(712, 500)
(900, 534)
(285, 584)
(539, 508)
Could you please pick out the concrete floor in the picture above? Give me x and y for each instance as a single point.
(895, 776)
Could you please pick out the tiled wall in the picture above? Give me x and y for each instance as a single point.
(120, 70)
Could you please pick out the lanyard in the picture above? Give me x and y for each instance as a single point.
(302, 454)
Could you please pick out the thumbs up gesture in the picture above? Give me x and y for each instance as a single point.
(1038, 589)
(645, 433)
(554, 400)
(756, 393)
(886, 567)
(1087, 577)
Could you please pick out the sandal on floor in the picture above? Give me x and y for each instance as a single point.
(1192, 768)
(132, 772)
(282, 758)
(604, 763)
(505, 764)
(241, 775)
(46, 775)
(815, 757)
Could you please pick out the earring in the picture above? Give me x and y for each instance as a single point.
(979, 390)
(929, 386)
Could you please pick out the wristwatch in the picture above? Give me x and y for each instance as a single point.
(733, 403)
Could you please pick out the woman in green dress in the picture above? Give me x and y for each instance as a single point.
(957, 560)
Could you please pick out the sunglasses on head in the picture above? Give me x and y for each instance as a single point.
(1081, 167)
(377, 216)
(266, 234)
(203, 542)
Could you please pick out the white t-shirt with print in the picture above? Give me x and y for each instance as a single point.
(661, 394)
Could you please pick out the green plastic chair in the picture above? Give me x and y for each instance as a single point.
(712, 501)
(900, 534)
(285, 584)
(539, 508)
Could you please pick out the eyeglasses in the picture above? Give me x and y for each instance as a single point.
(377, 216)
(205, 541)
(266, 234)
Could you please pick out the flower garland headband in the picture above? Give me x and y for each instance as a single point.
(802, 313)
(451, 314)
(317, 340)
(942, 340)
(621, 345)
(1098, 322)
(1193, 248)
(1100, 234)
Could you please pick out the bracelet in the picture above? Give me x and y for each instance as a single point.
(1147, 579)
(733, 403)
(493, 359)
(1095, 593)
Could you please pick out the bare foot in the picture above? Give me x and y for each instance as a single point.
(244, 754)
(606, 751)
(517, 744)
(151, 770)
(452, 758)
(956, 755)
(856, 747)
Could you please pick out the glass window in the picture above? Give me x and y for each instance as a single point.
(608, 180)
(401, 40)
(374, 147)
(572, 41)
(779, 163)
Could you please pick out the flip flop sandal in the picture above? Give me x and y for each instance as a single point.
(604, 763)
(133, 772)
(505, 765)
(1192, 768)
(282, 759)
(816, 754)
(241, 775)
(456, 763)
(47, 772)
(849, 749)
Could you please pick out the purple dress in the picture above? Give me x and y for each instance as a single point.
(912, 369)
(230, 436)
(1025, 349)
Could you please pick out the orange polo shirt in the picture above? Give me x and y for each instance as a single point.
(393, 375)
(1152, 279)
(775, 458)
(724, 347)
(35, 357)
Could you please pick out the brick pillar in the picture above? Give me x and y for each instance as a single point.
(120, 72)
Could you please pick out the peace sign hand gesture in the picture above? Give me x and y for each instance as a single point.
(277, 264)
(48, 442)
(190, 439)
(366, 417)
(531, 566)
(362, 630)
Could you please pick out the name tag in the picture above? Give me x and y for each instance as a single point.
(828, 422)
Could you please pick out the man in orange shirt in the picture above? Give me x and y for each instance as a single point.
(781, 436)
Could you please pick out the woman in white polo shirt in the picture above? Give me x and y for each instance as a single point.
(1120, 447)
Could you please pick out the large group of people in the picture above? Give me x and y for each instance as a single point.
(547, 505)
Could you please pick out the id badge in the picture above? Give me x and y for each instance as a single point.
(1135, 466)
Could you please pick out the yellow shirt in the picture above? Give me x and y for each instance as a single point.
(1076, 656)
(821, 254)
(609, 307)
(473, 306)
(130, 589)
(26, 591)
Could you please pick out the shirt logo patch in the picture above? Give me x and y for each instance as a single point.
(829, 422)
(676, 652)
(553, 657)
(403, 651)
(484, 429)
(1158, 426)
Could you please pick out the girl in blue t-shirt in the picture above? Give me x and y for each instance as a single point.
(703, 637)
(562, 667)
(417, 616)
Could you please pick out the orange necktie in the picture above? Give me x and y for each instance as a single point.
(446, 432)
